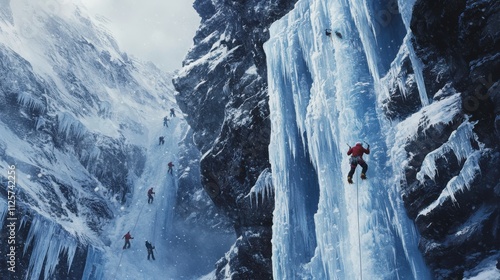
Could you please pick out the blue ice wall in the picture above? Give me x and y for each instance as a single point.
(323, 96)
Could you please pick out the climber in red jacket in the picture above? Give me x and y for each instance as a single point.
(356, 154)
(127, 237)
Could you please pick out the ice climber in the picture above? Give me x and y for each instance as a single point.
(150, 195)
(172, 113)
(165, 121)
(127, 237)
(170, 165)
(356, 154)
(150, 249)
(162, 140)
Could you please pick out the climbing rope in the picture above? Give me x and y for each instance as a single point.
(359, 231)
(121, 254)
(155, 226)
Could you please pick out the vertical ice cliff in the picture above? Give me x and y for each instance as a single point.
(395, 75)
(323, 97)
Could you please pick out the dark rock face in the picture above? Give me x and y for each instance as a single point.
(223, 90)
(251, 250)
(459, 45)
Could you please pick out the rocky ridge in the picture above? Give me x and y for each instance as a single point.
(223, 91)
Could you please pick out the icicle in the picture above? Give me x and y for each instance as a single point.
(459, 142)
(463, 180)
(417, 69)
(406, 9)
(30, 102)
(48, 241)
(263, 187)
(40, 123)
(70, 126)
(93, 265)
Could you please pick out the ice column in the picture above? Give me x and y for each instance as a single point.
(406, 9)
(322, 96)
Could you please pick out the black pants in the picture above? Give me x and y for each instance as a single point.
(150, 253)
(353, 168)
(150, 199)
(127, 244)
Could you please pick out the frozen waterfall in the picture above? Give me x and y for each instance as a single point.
(324, 93)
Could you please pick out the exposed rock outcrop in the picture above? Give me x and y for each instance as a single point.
(223, 90)
(459, 46)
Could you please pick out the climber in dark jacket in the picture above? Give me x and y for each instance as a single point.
(170, 165)
(150, 249)
(356, 154)
(150, 195)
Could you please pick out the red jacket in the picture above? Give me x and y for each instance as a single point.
(150, 191)
(358, 150)
(170, 164)
(127, 236)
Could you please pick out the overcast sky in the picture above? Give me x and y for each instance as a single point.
(160, 31)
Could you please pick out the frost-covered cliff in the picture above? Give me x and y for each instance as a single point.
(452, 189)
(74, 123)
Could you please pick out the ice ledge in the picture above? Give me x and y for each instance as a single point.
(458, 183)
(459, 142)
(263, 188)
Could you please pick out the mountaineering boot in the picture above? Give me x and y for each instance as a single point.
(349, 180)
(363, 176)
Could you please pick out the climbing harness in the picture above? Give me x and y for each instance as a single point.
(354, 160)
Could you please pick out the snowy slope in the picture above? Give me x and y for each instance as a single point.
(145, 221)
